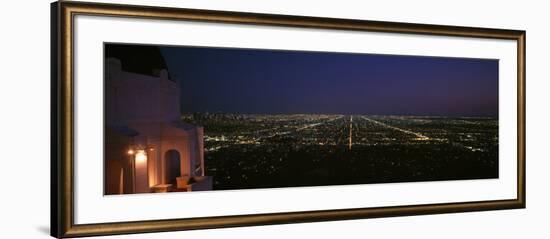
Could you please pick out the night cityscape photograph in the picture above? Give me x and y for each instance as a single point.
(190, 118)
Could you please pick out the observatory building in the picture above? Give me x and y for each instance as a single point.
(147, 147)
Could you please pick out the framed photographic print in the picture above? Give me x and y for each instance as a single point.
(171, 119)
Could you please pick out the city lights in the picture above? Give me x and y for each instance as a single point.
(306, 149)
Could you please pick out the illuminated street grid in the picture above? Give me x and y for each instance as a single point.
(265, 151)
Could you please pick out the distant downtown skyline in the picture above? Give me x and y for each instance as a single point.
(254, 81)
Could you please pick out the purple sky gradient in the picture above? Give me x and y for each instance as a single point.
(286, 82)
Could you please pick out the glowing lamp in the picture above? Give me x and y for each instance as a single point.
(141, 156)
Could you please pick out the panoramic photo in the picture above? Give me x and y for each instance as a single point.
(191, 118)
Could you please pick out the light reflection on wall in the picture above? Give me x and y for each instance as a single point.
(141, 179)
(141, 156)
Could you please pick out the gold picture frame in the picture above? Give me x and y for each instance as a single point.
(62, 184)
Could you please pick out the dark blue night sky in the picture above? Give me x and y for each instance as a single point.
(286, 82)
